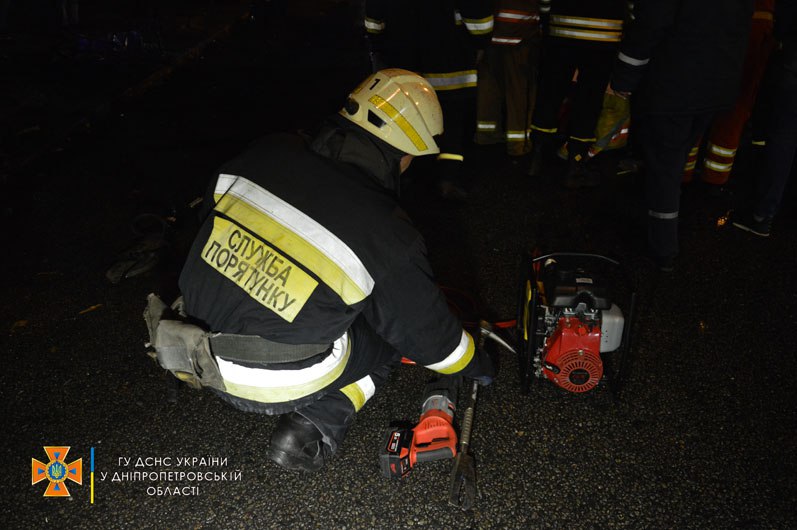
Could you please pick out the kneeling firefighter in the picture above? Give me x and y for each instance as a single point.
(307, 283)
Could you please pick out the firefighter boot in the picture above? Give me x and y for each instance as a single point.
(297, 444)
(307, 439)
(579, 175)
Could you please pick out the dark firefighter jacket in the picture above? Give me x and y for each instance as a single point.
(515, 21)
(684, 56)
(438, 40)
(585, 20)
(300, 241)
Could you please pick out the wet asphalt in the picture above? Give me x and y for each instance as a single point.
(703, 434)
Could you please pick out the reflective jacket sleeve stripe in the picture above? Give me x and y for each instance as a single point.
(597, 23)
(652, 21)
(458, 359)
(514, 16)
(295, 233)
(573, 33)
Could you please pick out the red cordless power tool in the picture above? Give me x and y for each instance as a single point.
(432, 438)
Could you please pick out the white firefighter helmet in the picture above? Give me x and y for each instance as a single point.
(398, 107)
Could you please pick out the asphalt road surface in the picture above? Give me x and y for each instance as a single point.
(703, 435)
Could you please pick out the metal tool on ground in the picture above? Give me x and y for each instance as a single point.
(464, 490)
(432, 438)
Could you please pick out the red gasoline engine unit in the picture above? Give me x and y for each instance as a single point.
(570, 330)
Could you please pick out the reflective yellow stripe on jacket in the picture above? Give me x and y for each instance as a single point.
(458, 359)
(583, 28)
(295, 233)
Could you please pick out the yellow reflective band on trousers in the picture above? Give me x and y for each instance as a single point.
(450, 156)
(720, 168)
(359, 392)
(721, 151)
(264, 274)
(401, 121)
(479, 26)
(278, 386)
(293, 233)
(452, 80)
(550, 131)
(458, 359)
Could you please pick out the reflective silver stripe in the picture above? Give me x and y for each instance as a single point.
(502, 40)
(366, 384)
(272, 386)
(454, 80)
(722, 168)
(478, 26)
(597, 23)
(663, 215)
(722, 151)
(557, 31)
(300, 223)
(513, 16)
(516, 135)
(630, 60)
(690, 165)
(455, 356)
(359, 392)
(486, 126)
(374, 26)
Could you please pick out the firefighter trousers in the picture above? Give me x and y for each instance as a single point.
(506, 92)
(780, 150)
(665, 140)
(332, 409)
(561, 58)
(458, 108)
(726, 130)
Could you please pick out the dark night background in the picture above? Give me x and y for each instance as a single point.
(704, 434)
